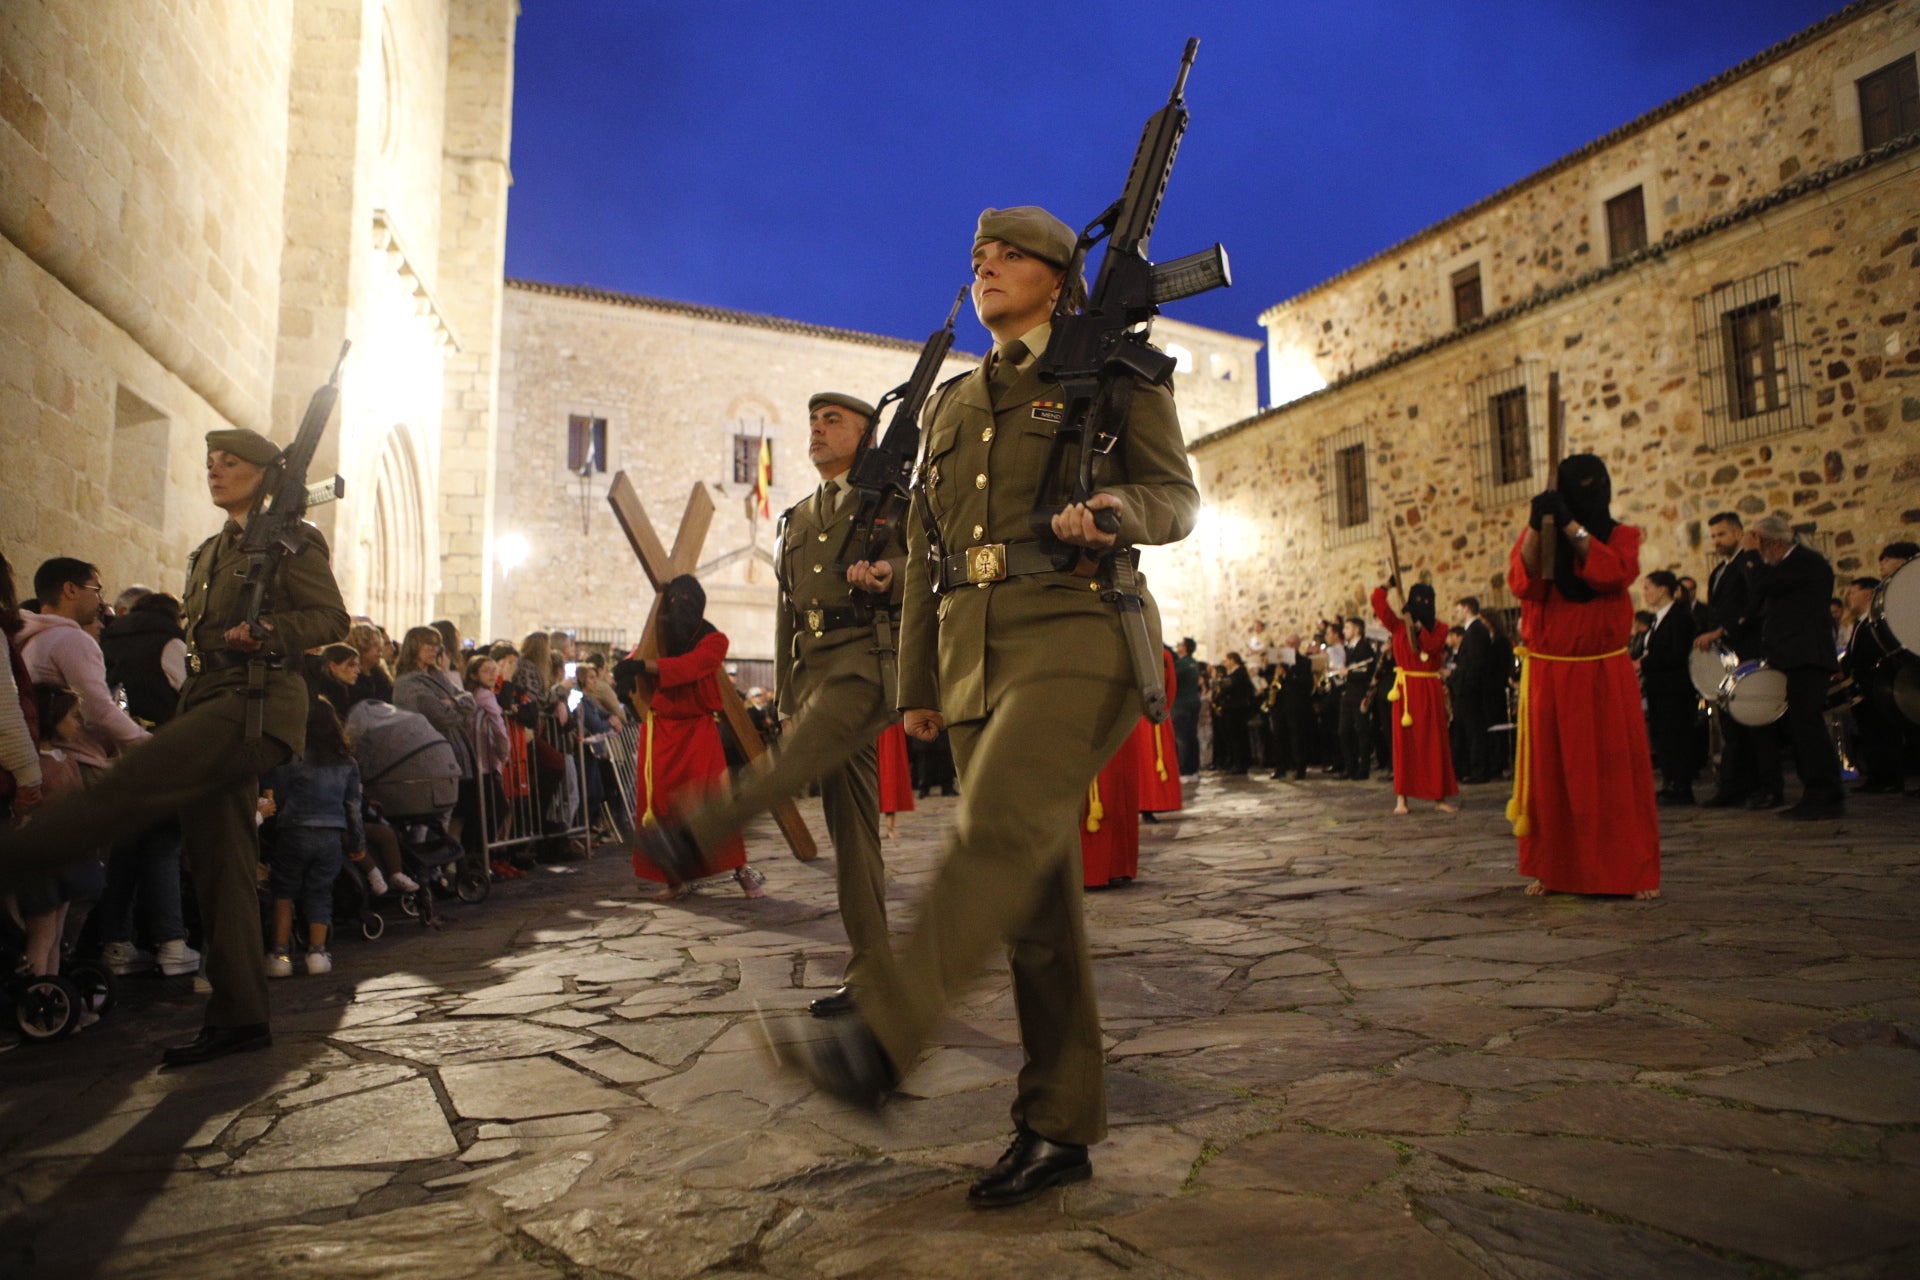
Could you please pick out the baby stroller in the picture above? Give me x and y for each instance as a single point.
(411, 773)
(51, 1007)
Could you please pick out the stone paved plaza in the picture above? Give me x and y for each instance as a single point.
(1342, 1044)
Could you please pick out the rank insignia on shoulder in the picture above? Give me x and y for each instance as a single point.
(1050, 410)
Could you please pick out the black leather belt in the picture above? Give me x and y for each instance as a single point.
(225, 660)
(994, 562)
(819, 621)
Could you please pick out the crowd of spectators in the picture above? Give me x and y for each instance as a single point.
(534, 730)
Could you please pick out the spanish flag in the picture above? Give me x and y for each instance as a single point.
(763, 480)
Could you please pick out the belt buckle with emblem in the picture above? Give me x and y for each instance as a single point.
(193, 664)
(988, 563)
(816, 619)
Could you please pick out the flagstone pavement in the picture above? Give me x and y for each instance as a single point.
(1341, 1044)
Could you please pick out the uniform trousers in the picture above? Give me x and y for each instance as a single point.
(1670, 714)
(1186, 739)
(1012, 877)
(832, 741)
(200, 766)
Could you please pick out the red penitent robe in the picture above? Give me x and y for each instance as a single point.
(1422, 745)
(1159, 760)
(1110, 822)
(680, 757)
(1583, 792)
(896, 773)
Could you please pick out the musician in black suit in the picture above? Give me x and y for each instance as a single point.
(1791, 585)
(1356, 732)
(1664, 677)
(1749, 771)
(1876, 733)
(1233, 707)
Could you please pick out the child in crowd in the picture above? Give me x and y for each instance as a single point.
(65, 746)
(317, 822)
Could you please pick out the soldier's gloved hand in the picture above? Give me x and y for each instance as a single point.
(875, 576)
(923, 724)
(1075, 527)
(240, 638)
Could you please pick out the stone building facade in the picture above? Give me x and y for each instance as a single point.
(201, 201)
(682, 394)
(1722, 298)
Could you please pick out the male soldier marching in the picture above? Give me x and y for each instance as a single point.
(1028, 667)
(203, 764)
(830, 685)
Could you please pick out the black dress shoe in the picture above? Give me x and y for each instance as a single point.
(1816, 811)
(1030, 1166)
(834, 1005)
(1674, 798)
(840, 1056)
(1725, 800)
(218, 1042)
(673, 851)
(1766, 800)
(1877, 789)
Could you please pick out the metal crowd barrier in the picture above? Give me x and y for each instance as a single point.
(535, 805)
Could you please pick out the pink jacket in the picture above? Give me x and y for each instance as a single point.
(57, 651)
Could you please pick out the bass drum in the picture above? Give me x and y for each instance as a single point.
(1754, 694)
(1895, 611)
(1709, 668)
(1895, 687)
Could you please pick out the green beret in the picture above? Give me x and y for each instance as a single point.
(842, 399)
(1031, 228)
(242, 443)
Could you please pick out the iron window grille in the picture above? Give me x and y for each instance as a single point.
(1753, 380)
(746, 460)
(1509, 412)
(1346, 497)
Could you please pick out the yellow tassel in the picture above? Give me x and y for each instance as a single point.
(1095, 811)
(1159, 753)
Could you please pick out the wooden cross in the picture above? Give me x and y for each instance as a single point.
(661, 567)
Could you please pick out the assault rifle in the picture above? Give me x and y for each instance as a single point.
(273, 527)
(1095, 355)
(882, 476)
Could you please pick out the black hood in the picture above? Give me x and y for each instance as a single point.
(1421, 605)
(1584, 482)
(683, 615)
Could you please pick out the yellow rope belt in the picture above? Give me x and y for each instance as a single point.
(1095, 810)
(1400, 675)
(1519, 808)
(1159, 753)
(648, 819)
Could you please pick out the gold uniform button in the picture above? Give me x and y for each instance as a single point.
(986, 437)
(980, 481)
(1093, 586)
(823, 537)
(816, 568)
(978, 530)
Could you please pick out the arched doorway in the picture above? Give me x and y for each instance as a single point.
(397, 574)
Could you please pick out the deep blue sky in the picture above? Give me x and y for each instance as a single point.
(827, 161)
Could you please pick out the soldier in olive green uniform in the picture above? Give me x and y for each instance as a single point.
(1028, 668)
(203, 764)
(831, 685)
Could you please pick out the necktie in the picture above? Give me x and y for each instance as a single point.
(1005, 369)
